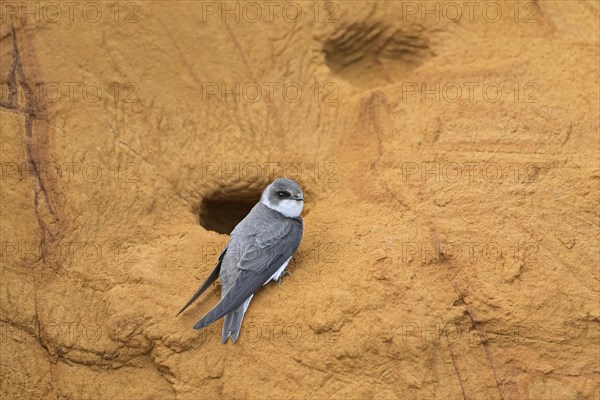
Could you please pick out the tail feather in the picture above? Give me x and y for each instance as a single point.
(209, 280)
(233, 322)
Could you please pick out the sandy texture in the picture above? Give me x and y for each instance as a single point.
(450, 170)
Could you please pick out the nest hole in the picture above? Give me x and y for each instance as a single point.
(222, 212)
(370, 56)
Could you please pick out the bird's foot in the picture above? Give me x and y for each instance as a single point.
(280, 280)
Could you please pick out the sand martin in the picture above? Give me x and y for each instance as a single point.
(259, 250)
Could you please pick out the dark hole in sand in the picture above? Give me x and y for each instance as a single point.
(221, 213)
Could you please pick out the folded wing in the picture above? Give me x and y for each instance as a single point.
(259, 261)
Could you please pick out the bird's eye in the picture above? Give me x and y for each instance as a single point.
(281, 194)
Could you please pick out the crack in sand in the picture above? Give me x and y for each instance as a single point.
(455, 365)
(30, 110)
(446, 261)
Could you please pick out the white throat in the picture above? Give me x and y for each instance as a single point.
(288, 208)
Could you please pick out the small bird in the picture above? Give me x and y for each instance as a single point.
(259, 250)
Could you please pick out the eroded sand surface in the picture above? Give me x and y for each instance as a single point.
(451, 176)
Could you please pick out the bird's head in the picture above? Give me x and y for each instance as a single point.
(284, 196)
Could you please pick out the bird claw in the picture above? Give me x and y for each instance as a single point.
(280, 280)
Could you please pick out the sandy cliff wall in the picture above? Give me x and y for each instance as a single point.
(449, 157)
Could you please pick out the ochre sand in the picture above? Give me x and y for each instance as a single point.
(451, 243)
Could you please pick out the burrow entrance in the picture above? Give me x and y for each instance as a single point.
(370, 56)
(221, 212)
